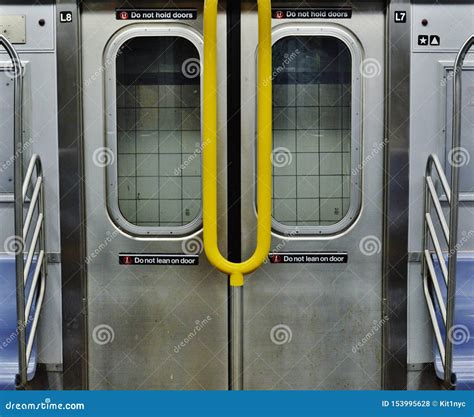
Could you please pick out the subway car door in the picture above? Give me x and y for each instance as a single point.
(157, 311)
(313, 312)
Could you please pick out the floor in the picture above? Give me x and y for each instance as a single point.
(422, 378)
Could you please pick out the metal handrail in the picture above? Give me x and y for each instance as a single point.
(18, 183)
(23, 227)
(450, 233)
(433, 161)
(429, 233)
(38, 239)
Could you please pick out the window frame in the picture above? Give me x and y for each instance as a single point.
(111, 136)
(356, 169)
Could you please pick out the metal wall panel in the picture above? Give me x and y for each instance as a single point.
(38, 37)
(429, 133)
(40, 136)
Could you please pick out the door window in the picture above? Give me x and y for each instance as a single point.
(312, 132)
(158, 134)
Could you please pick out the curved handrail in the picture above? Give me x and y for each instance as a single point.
(18, 185)
(38, 239)
(433, 160)
(264, 138)
(35, 163)
(450, 233)
(13, 54)
(454, 212)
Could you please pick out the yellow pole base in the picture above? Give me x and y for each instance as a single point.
(237, 280)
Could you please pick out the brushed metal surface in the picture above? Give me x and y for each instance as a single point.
(150, 327)
(396, 188)
(329, 317)
(71, 191)
(319, 326)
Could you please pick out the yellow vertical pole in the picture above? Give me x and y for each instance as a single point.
(264, 146)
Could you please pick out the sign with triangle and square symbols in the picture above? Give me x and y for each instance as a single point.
(431, 40)
(435, 40)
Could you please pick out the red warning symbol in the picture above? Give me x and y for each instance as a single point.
(279, 14)
(277, 259)
(127, 260)
(124, 15)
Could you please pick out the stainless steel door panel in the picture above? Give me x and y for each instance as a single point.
(320, 326)
(306, 326)
(150, 327)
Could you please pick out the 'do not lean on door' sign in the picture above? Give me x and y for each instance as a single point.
(158, 259)
(308, 257)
